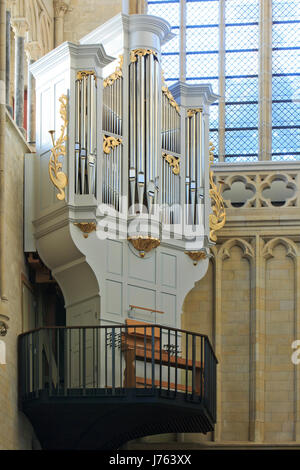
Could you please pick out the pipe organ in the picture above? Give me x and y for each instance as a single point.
(133, 145)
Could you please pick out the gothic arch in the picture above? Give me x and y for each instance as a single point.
(224, 251)
(291, 248)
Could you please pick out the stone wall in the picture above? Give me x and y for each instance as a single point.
(15, 430)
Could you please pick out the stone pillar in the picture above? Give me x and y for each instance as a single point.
(222, 89)
(7, 77)
(265, 81)
(20, 26)
(60, 9)
(33, 53)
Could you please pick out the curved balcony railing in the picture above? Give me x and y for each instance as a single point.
(118, 361)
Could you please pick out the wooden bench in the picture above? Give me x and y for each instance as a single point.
(137, 345)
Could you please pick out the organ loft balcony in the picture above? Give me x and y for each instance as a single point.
(122, 208)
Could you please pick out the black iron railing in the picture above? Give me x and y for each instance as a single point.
(110, 360)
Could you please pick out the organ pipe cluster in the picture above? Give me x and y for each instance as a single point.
(194, 164)
(144, 133)
(86, 133)
(154, 137)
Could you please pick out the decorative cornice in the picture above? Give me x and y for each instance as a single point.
(67, 51)
(86, 227)
(110, 142)
(57, 176)
(198, 94)
(144, 244)
(196, 256)
(174, 162)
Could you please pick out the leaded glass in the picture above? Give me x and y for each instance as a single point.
(286, 114)
(204, 39)
(214, 139)
(170, 66)
(242, 37)
(202, 12)
(214, 116)
(242, 11)
(286, 140)
(239, 143)
(242, 89)
(248, 158)
(173, 44)
(241, 115)
(202, 65)
(285, 87)
(286, 61)
(170, 11)
(241, 64)
(284, 10)
(285, 158)
(286, 35)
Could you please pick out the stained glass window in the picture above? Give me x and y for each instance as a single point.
(286, 80)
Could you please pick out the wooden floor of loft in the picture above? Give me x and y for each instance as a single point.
(103, 419)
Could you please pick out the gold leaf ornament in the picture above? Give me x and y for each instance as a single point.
(57, 176)
(218, 218)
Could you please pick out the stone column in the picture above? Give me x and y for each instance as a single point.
(7, 77)
(60, 9)
(265, 81)
(33, 53)
(20, 26)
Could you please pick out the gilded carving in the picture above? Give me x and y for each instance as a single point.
(110, 142)
(141, 52)
(144, 244)
(86, 227)
(174, 162)
(192, 112)
(118, 73)
(196, 256)
(86, 73)
(218, 218)
(57, 176)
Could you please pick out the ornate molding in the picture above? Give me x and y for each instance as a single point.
(86, 227)
(141, 52)
(218, 218)
(192, 112)
(3, 325)
(290, 246)
(20, 26)
(57, 176)
(110, 142)
(33, 50)
(118, 73)
(144, 244)
(170, 97)
(174, 162)
(60, 8)
(196, 256)
(248, 251)
(86, 73)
